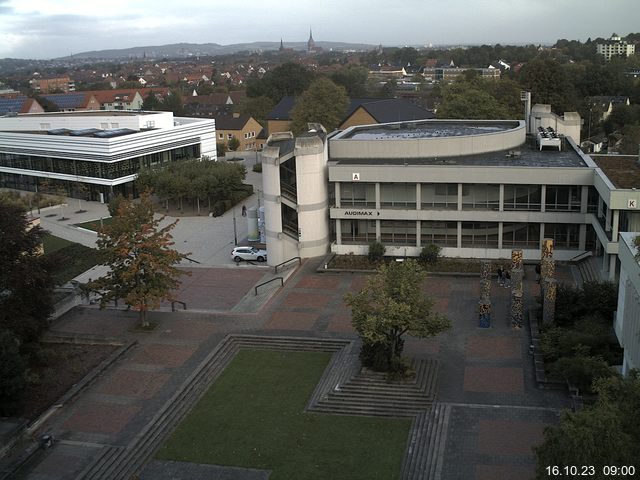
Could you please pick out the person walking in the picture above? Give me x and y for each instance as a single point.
(500, 273)
(244, 211)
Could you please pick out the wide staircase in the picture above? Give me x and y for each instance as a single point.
(589, 269)
(371, 393)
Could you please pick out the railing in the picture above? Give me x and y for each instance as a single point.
(275, 269)
(173, 305)
(269, 281)
(581, 256)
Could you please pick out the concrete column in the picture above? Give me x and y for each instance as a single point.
(500, 232)
(338, 231)
(378, 202)
(459, 197)
(605, 260)
(541, 234)
(418, 197)
(582, 237)
(616, 224)
(612, 267)
(337, 194)
(584, 198)
(600, 202)
(378, 233)
(418, 239)
(501, 206)
(607, 220)
(459, 234)
(543, 198)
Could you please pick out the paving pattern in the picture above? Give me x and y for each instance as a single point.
(487, 416)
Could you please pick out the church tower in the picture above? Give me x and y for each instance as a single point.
(311, 45)
(281, 46)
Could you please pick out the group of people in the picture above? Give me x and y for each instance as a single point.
(504, 277)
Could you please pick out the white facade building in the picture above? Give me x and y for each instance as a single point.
(615, 47)
(627, 320)
(101, 151)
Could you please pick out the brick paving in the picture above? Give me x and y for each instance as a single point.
(486, 375)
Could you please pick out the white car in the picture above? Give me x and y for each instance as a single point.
(248, 253)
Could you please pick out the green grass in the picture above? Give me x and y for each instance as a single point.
(253, 416)
(94, 225)
(68, 259)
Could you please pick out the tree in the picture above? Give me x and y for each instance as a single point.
(287, 79)
(13, 368)
(463, 99)
(549, 84)
(26, 287)
(140, 258)
(607, 433)
(353, 78)
(173, 103)
(257, 107)
(390, 305)
(233, 144)
(151, 102)
(323, 102)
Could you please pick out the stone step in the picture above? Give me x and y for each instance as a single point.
(375, 403)
(367, 411)
(104, 458)
(376, 398)
(414, 458)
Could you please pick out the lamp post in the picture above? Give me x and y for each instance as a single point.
(235, 231)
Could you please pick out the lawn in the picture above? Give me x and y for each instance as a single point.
(68, 259)
(253, 416)
(94, 225)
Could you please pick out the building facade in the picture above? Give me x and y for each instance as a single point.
(627, 319)
(615, 47)
(478, 189)
(95, 154)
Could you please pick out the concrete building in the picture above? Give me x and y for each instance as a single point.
(53, 85)
(615, 47)
(95, 154)
(627, 320)
(478, 189)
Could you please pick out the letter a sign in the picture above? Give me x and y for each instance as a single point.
(355, 177)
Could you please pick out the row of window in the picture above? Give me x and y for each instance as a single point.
(474, 196)
(85, 168)
(247, 135)
(473, 234)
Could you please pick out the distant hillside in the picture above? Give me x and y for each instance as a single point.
(192, 49)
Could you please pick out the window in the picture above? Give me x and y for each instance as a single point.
(480, 197)
(521, 235)
(221, 136)
(439, 196)
(480, 234)
(358, 195)
(45, 126)
(522, 197)
(104, 126)
(398, 232)
(246, 135)
(358, 231)
(563, 198)
(444, 234)
(398, 195)
(115, 125)
(229, 136)
(564, 235)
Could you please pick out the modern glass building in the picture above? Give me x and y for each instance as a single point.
(95, 154)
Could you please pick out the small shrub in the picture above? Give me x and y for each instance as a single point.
(376, 251)
(233, 144)
(582, 371)
(429, 254)
(257, 168)
(114, 204)
(221, 149)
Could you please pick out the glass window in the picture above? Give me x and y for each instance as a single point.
(522, 197)
(563, 198)
(358, 231)
(564, 235)
(398, 232)
(480, 234)
(358, 195)
(398, 195)
(444, 234)
(439, 196)
(521, 235)
(479, 196)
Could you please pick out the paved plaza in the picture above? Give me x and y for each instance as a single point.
(486, 375)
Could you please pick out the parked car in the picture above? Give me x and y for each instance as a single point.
(248, 253)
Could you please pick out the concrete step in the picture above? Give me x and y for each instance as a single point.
(367, 411)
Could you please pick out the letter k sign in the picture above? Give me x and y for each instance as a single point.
(632, 203)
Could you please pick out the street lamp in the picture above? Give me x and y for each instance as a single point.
(235, 231)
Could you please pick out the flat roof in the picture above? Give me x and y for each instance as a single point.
(526, 155)
(622, 170)
(92, 113)
(427, 129)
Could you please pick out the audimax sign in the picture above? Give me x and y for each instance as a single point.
(361, 213)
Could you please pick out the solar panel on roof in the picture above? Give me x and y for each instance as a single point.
(117, 132)
(58, 131)
(70, 100)
(8, 105)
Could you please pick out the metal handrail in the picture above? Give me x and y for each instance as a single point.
(275, 269)
(173, 305)
(269, 281)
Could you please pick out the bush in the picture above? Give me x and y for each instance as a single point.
(581, 371)
(233, 144)
(114, 204)
(376, 251)
(221, 149)
(429, 254)
(257, 168)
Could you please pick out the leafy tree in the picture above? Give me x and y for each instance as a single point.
(549, 84)
(607, 433)
(13, 368)
(221, 149)
(151, 102)
(430, 254)
(173, 103)
(376, 251)
(140, 258)
(353, 78)
(463, 99)
(391, 305)
(257, 107)
(26, 287)
(233, 144)
(324, 102)
(114, 204)
(285, 80)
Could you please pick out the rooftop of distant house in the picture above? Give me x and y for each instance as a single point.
(622, 170)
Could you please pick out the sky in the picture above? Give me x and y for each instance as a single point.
(53, 28)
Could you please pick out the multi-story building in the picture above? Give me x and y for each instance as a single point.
(122, 99)
(478, 189)
(53, 85)
(242, 127)
(615, 47)
(627, 319)
(449, 74)
(96, 153)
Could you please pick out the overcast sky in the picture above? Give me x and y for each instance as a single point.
(54, 28)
